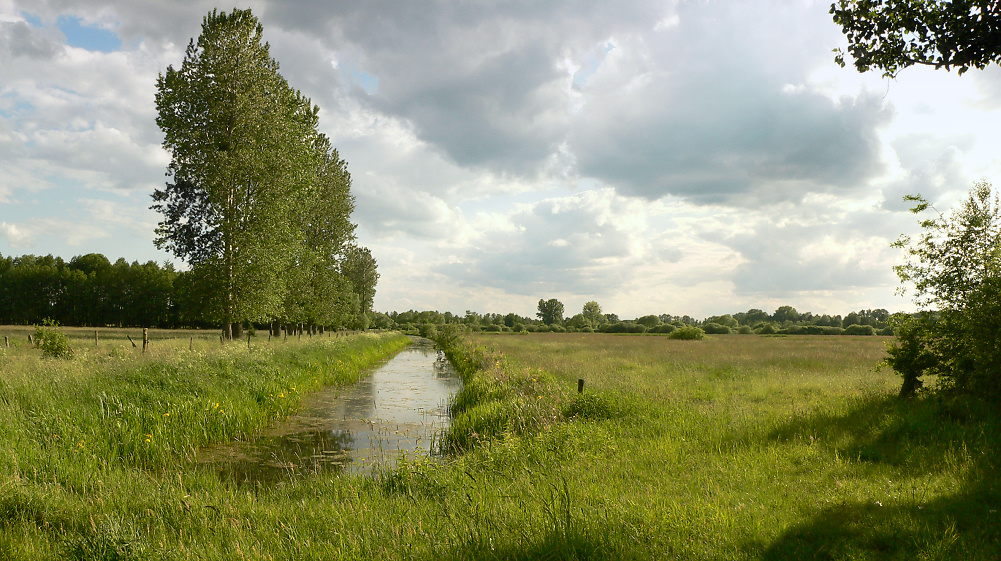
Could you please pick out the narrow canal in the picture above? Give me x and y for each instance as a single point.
(400, 408)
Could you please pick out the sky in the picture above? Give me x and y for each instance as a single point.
(681, 157)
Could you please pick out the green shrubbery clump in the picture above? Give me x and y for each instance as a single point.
(688, 333)
(859, 330)
(764, 328)
(54, 343)
(623, 327)
(716, 329)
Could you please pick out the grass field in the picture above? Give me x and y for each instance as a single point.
(734, 447)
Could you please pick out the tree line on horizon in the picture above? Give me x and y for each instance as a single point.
(89, 290)
(591, 319)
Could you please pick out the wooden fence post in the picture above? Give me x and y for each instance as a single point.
(129, 337)
(30, 342)
(6, 343)
(191, 343)
(95, 338)
(580, 385)
(145, 339)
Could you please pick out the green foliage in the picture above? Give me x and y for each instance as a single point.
(360, 268)
(725, 320)
(550, 311)
(623, 327)
(716, 329)
(52, 341)
(955, 267)
(765, 328)
(910, 356)
(893, 34)
(857, 329)
(260, 202)
(592, 314)
(649, 321)
(688, 333)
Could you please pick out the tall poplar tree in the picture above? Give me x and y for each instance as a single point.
(243, 147)
(361, 270)
(318, 292)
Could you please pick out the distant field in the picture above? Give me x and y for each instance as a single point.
(82, 338)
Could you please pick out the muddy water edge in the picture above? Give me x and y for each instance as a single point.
(399, 409)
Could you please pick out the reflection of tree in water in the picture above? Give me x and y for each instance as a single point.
(358, 400)
(442, 367)
(275, 458)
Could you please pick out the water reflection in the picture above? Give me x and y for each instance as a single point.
(399, 409)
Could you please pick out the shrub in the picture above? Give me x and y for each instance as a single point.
(649, 321)
(623, 327)
(744, 330)
(663, 328)
(716, 329)
(764, 329)
(53, 342)
(688, 333)
(857, 329)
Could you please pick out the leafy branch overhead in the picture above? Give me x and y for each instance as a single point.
(891, 35)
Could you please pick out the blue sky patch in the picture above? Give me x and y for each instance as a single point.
(360, 78)
(32, 19)
(87, 37)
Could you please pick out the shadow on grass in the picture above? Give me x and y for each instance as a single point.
(552, 547)
(918, 438)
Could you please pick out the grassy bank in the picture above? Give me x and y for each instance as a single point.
(726, 448)
(96, 437)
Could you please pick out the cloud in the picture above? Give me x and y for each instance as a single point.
(71, 232)
(20, 40)
(579, 244)
(15, 236)
(824, 244)
(930, 166)
(711, 112)
(657, 156)
(490, 90)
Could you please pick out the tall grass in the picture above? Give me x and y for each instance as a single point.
(724, 448)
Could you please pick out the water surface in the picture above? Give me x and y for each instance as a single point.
(399, 409)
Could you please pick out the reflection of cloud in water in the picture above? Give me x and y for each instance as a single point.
(399, 409)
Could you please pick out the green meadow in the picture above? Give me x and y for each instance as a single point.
(732, 447)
